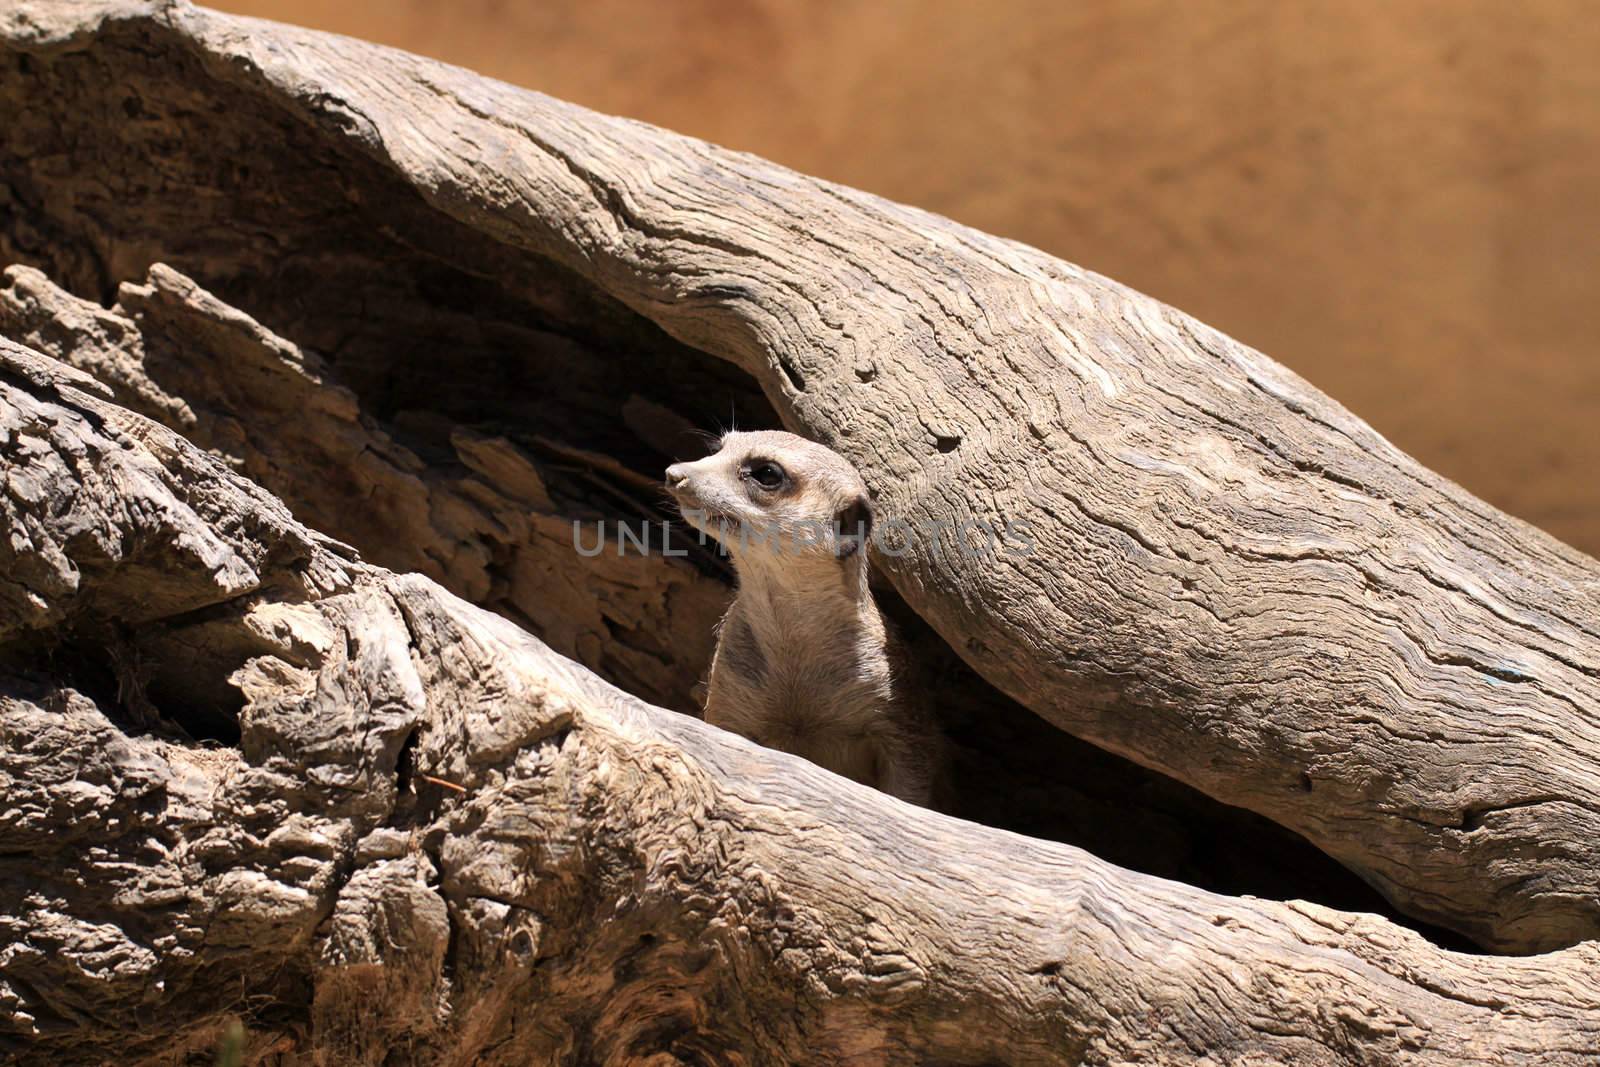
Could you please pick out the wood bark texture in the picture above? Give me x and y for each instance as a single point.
(491, 518)
(436, 841)
(291, 313)
(1233, 581)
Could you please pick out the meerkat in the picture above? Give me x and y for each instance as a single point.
(805, 662)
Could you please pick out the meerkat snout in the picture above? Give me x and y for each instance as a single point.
(768, 492)
(804, 659)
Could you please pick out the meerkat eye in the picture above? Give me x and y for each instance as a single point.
(765, 473)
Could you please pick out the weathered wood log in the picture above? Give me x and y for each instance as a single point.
(438, 842)
(489, 518)
(1234, 580)
(484, 522)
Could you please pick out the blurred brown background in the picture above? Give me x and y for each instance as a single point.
(1400, 200)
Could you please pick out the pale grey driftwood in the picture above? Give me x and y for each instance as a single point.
(1235, 581)
(438, 842)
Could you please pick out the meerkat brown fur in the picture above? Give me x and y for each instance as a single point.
(805, 662)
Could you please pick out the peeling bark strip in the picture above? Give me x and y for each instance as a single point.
(611, 883)
(1236, 582)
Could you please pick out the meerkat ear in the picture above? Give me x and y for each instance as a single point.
(853, 526)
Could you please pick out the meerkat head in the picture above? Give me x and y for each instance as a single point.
(771, 495)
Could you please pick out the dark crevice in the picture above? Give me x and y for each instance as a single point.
(405, 762)
(791, 373)
(133, 687)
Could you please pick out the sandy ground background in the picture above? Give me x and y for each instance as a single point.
(1400, 200)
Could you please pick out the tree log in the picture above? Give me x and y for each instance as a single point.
(489, 517)
(471, 398)
(436, 841)
(247, 774)
(1235, 582)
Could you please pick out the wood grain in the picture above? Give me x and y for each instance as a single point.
(606, 882)
(1234, 580)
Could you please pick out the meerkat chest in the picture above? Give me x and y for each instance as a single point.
(790, 687)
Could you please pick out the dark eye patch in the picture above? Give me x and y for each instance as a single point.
(764, 473)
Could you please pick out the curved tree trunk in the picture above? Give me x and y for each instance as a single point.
(1234, 581)
(441, 319)
(438, 842)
